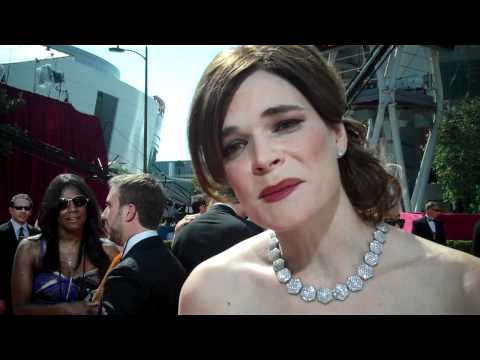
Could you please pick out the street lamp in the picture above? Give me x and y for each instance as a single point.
(119, 49)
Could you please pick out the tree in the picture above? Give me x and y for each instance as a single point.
(457, 155)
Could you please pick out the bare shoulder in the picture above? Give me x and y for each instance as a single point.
(431, 267)
(471, 284)
(28, 249)
(213, 284)
(110, 248)
(30, 244)
(417, 250)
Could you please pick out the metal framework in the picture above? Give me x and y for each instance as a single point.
(389, 64)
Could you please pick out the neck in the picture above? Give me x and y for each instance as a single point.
(132, 231)
(19, 223)
(69, 237)
(325, 249)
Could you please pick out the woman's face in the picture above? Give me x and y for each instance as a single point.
(72, 218)
(279, 156)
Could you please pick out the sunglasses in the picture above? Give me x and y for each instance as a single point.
(26, 208)
(78, 201)
(397, 222)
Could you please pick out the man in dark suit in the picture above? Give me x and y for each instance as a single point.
(429, 227)
(221, 227)
(11, 233)
(148, 278)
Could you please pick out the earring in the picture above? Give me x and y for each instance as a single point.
(340, 154)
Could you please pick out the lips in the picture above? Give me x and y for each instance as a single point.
(279, 191)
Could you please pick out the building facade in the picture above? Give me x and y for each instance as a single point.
(93, 86)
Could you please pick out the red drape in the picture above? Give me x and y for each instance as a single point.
(457, 226)
(55, 123)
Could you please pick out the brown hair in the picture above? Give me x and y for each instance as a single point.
(367, 184)
(143, 191)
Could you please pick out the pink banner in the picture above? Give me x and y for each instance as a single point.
(457, 226)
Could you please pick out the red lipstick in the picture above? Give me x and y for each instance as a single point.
(279, 191)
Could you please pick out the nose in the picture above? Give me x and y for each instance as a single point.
(71, 206)
(266, 157)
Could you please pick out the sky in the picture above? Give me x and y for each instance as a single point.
(173, 73)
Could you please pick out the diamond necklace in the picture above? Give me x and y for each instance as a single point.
(341, 291)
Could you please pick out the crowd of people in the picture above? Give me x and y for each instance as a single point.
(297, 216)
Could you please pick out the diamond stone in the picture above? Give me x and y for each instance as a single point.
(294, 286)
(278, 264)
(324, 295)
(382, 227)
(365, 271)
(341, 292)
(273, 241)
(371, 258)
(274, 254)
(355, 283)
(284, 275)
(308, 293)
(379, 236)
(375, 246)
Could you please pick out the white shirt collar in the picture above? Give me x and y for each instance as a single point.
(135, 239)
(17, 226)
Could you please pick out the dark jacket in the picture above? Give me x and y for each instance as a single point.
(210, 234)
(422, 229)
(476, 240)
(147, 280)
(8, 247)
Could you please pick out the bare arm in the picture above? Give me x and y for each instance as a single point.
(201, 292)
(471, 285)
(22, 280)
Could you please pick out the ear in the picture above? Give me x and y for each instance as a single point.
(130, 212)
(341, 138)
(10, 210)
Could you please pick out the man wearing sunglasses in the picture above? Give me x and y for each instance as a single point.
(11, 233)
(429, 227)
(148, 278)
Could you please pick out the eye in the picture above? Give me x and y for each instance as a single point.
(233, 148)
(287, 125)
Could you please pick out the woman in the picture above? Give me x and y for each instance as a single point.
(268, 122)
(54, 271)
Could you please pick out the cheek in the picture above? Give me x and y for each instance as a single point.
(83, 214)
(238, 176)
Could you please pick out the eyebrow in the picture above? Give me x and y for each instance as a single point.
(280, 109)
(271, 111)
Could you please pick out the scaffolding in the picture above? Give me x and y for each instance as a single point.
(388, 81)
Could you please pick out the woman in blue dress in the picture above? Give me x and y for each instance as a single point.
(55, 271)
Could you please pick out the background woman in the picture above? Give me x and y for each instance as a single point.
(54, 271)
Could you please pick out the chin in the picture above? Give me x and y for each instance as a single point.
(74, 227)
